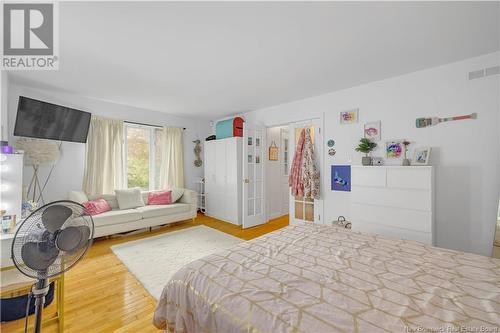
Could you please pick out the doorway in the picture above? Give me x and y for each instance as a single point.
(304, 209)
(279, 202)
(277, 167)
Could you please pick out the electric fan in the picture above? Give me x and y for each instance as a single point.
(48, 243)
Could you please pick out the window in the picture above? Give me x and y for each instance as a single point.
(142, 157)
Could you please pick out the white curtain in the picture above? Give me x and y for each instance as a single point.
(172, 158)
(103, 156)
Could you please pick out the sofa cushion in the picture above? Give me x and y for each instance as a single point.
(116, 216)
(176, 194)
(161, 210)
(160, 198)
(96, 207)
(130, 198)
(110, 199)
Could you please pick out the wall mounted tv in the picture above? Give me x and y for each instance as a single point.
(37, 119)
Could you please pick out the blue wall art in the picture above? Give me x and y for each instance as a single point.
(341, 178)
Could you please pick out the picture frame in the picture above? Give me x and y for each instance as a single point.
(421, 156)
(349, 117)
(372, 130)
(341, 178)
(394, 149)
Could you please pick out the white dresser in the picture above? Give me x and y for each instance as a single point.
(394, 201)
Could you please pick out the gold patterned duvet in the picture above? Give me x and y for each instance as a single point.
(315, 279)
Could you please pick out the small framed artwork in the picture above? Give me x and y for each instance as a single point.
(372, 131)
(341, 178)
(421, 156)
(349, 116)
(394, 149)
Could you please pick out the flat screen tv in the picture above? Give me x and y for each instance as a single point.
(37, 119)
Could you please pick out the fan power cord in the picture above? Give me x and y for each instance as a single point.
(30, 295)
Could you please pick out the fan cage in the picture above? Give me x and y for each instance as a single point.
(32, 230)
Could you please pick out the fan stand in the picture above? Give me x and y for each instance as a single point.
(39, 290)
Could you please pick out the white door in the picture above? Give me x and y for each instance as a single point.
(254, 153)
(220, 178)
(301, 209)
(210, 188)
(285, 160)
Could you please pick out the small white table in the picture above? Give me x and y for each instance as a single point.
(5, 247)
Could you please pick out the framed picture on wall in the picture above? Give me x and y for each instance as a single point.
(372, 131)
(349, 116)
(341, 178)
(421, 156)
(394, 149)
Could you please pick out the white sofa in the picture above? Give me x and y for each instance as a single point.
(117, 221)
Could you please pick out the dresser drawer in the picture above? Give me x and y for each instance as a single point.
(391, 232)
(390, 197)
(368, 176)
(417, 220)
(411, 178)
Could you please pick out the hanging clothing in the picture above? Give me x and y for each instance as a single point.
(309, 171)
(295, 177)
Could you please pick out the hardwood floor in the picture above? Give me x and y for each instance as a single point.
(101, 295)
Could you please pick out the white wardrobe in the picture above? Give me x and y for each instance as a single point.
(223, 176)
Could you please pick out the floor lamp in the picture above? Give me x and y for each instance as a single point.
(38, 153)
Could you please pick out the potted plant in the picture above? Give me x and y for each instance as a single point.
(366, 146)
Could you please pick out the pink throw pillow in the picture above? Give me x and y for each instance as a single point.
(97, 206)
(160, 198)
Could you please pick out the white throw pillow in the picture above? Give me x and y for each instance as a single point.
(177, 194)
(130, 198)
(78, 196)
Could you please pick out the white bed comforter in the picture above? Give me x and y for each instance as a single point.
(315, 279)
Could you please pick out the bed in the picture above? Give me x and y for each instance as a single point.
(314, 279)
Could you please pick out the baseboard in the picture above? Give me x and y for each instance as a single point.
(275, 216)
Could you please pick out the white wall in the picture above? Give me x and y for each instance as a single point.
(465, 154)
(276, 191)
(68, 173)
(4, 115)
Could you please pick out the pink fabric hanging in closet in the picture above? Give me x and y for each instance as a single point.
(309, 171)
(295, 177)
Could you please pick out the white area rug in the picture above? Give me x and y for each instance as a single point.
(154, 260)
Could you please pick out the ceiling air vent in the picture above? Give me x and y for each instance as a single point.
(495, 70)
